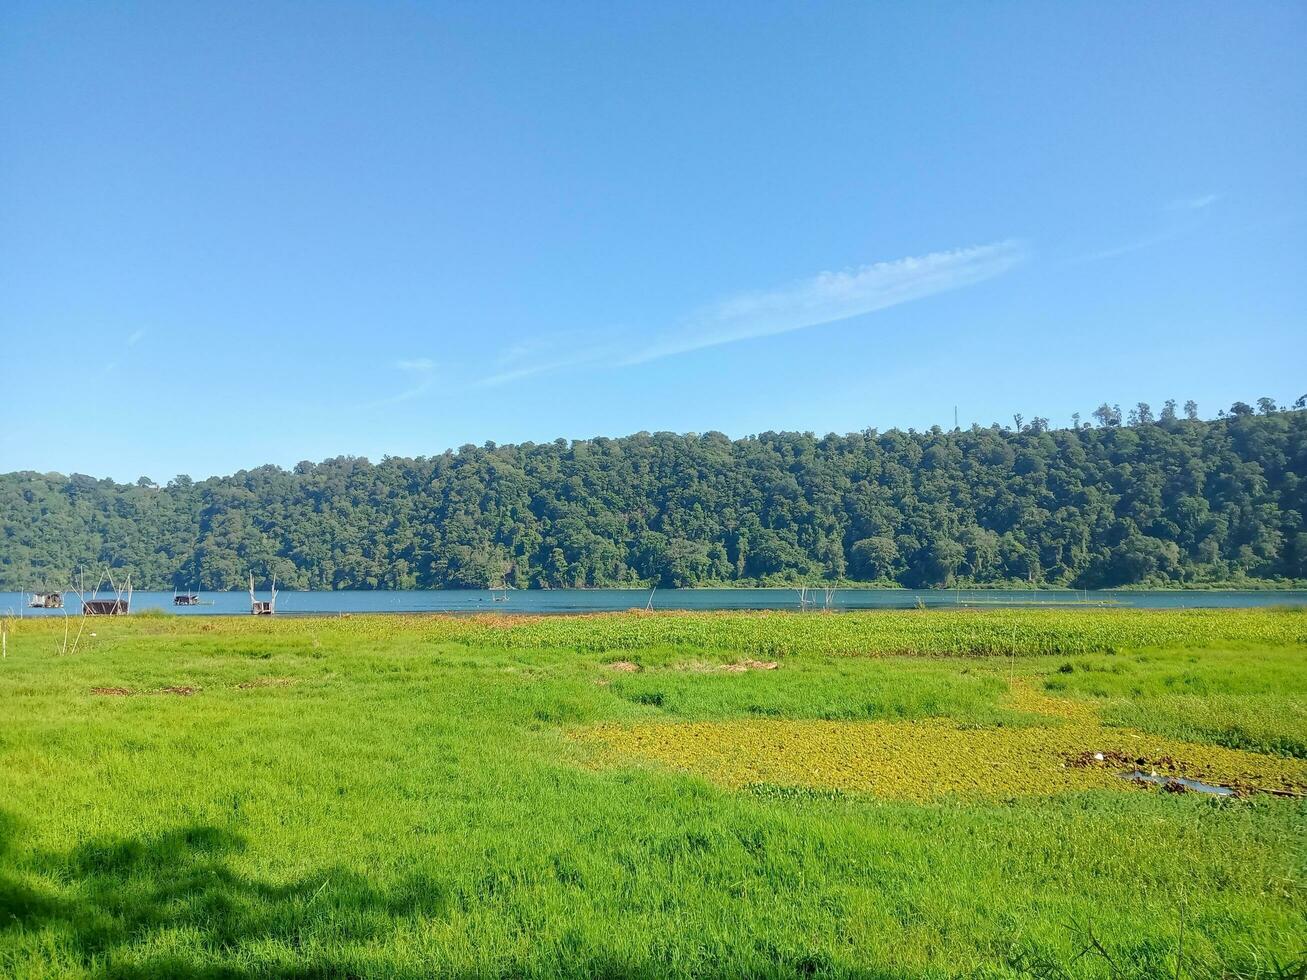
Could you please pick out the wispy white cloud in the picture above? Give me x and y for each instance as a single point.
(1185, 221)
(420, 371)
(826, 298)
(1194, 203)
(136, 337)
(553, 352)
(1125, 249)
(832, 296)
(581, 356)
(524, 350)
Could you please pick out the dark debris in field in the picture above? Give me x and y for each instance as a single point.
(1175, 769)
(181, 690)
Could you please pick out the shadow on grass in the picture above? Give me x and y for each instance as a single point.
(173, 904)
(117, 893)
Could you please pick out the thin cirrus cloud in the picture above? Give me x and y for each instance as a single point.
(832, 296)
(421, 373)
(134, 338)
(1137, 245)
(543, 367)
(539, 356)
(1194, 203)
(1179, 225)
(825, 298)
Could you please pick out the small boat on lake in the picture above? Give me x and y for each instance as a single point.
(46, 600)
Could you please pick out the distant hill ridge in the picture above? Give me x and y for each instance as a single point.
(1162, 501)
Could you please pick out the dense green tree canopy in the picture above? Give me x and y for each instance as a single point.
(1152, 500)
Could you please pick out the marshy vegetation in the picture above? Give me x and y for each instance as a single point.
(408, 796)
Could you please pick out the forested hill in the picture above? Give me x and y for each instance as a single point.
(1165, 501)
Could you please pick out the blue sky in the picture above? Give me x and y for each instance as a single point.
(233, 234)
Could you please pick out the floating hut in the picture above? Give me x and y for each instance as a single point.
(185, 598)
(106, 607)
(46, 600)
(263, 607)
(119, 605)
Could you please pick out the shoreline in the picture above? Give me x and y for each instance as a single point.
(1252, 586)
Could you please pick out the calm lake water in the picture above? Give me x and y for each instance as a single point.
(609, 600)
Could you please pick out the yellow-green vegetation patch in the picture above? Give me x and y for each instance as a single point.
(1022, 697)
(921, 760)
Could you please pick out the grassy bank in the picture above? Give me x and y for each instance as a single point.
(425, 796)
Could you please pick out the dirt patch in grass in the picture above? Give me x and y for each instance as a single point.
(183, 690)
(747, 665)
(267, 682)
(625, 666)
(738, 667)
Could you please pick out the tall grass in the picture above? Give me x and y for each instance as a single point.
(955, 633)
(381, 797)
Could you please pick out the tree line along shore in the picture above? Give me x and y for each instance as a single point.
(1128, 501)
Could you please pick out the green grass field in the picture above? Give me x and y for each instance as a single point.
(645, 795)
